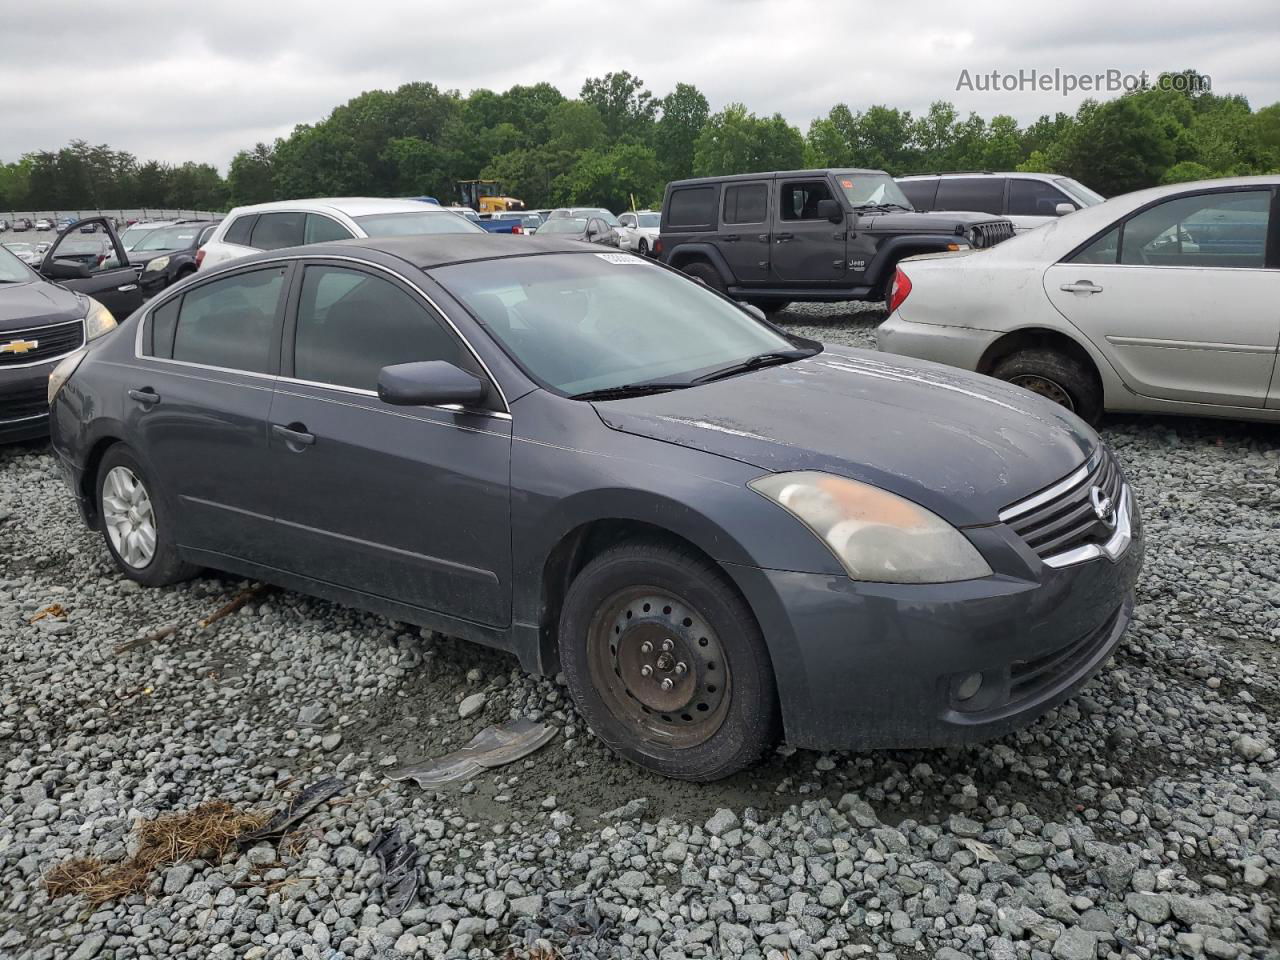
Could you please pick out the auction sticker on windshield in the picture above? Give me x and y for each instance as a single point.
(619, 258)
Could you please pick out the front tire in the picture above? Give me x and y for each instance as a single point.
(136, 523)
(643, 247)
(1055, 376)
(666, 662)
(701, 270)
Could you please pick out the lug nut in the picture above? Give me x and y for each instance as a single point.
(646, 670)
(646, 647)
(680, 667)
(666, 684)
(667, 644)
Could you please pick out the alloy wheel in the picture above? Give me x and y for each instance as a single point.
(129, 517)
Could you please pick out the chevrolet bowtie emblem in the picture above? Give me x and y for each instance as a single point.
(19, 346)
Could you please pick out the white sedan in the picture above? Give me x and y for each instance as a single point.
(1162, 301)
(638, 231)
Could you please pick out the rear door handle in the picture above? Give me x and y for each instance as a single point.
(294, 435)
(145, 396)
(1081, 286)
(783, 237)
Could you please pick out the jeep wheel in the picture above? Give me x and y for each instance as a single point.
(1054, 376)
(666, 663)
(770, 306)
(701, 270)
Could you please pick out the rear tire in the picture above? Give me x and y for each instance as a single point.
(701, 270)
(1055, 376)
(771, 306)
(137, 525)
(643, 247)
(666, 662)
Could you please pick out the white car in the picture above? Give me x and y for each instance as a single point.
(1029, 200)
(293, 223)
(638, 231)
(1163, 301)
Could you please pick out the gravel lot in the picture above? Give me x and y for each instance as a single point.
(1142, 819)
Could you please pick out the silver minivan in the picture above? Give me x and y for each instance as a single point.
(1027, 199)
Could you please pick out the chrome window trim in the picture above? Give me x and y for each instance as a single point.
(84, 342)
(1115, 546)
(159, 302)
(1073, 480)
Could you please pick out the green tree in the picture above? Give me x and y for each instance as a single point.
(251, 176)
(735, 141)
(1119, 146)
(684, 112)
(625, 106)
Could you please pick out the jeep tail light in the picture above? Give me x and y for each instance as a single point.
(199, 257)
(899, 290)
(657, 247)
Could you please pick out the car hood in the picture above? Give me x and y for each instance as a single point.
(37, 302)
(962, 445)
(903, 222)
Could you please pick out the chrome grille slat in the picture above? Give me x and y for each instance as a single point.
(53, 339)
(1062, 517)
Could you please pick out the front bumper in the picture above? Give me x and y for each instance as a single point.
(955, 346)
(870, 665)
(24, 410)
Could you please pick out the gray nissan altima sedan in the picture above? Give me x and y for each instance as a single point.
(720, 533)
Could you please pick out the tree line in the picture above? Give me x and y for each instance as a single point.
(617, 143)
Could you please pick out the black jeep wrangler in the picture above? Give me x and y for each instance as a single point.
(771, 238)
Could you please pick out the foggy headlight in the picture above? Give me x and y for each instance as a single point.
(98, 320)
(62, 373)
(159, 263)
(876, 535)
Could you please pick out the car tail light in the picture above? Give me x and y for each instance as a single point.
(517, 229)
(899, 290)
(199, 257)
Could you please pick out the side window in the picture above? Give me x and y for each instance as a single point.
(692, 207)
(1035, 198)
(627, 220)
(321, 229)
(352, 324)
(205, 234)
(920, 192)
(240, 230)
(798, 200)
(1103, 250)
(163, 321)
(276, 230)
(1203, 230)
(976, 194)
(229, 322)
(746, 203)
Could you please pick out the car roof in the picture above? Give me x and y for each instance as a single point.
(985, 173)
(350, 206)
(775, 174)
(429, 250)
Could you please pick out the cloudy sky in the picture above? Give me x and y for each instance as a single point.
(200, 81)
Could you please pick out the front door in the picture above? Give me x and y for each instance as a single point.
(95, 264)
(1184, 296)
(411, 504)
(807, 249)
(744, 230)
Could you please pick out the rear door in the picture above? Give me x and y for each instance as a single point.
(744, 229)
(1184, 296)
(807, 249)
(983, 194)
(94, 264)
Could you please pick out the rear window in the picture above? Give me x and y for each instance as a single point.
(240, 229)
(692, 207)
(920, 192)
(746, 203)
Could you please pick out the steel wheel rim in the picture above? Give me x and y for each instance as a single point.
(644, 247)
(1043, 386)
(682, 699)
(129, 517)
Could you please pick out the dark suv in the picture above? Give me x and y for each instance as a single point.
(167, 254)
(771, 238)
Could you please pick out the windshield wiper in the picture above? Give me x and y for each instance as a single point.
(769, 359)
(882, 206)
(625, 390)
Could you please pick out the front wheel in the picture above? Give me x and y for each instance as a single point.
(666, 663)
(643, 247)
(1054, 376)
(135, 522)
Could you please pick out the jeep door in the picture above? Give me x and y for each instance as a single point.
(807, 249)
(744, 230)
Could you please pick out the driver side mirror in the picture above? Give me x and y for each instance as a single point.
(65, 270)
(831, 210)
(429, 383)
(1064, 208)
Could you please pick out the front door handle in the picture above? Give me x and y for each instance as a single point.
(1081, 286)
(127, 288)
(784, 237)
(730, 238)
(146, 396)
(294, 435)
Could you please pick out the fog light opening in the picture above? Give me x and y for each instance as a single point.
(968, 686)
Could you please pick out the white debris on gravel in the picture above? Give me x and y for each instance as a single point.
(1141, 819)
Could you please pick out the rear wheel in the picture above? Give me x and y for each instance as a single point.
(771, 306)
(643, 247)
(666, 662)
(1054, 376)
(701, 270)
(136, 523)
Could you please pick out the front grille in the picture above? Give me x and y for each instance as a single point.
(989, 234)
(24, 404)
(50, 341)
(1063, 517)
(1029, 678)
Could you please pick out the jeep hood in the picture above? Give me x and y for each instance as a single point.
(959, 444)
(906, 222)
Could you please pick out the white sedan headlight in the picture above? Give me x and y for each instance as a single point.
(98, 320)
(877, 536)
(159, 263)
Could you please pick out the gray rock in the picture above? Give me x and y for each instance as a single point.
(471, 705)
(1151, 907)
(722, 821)
(1076, 944)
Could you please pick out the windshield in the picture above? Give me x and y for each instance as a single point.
(169, 238)
(649, 219)
(133, 235)
(564, 225)
(868, 189)
(415, 224)
(12, 270)
(1079, 192)
(589, 321)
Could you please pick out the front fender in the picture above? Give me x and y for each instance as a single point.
(682, 253)
(894, 249)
